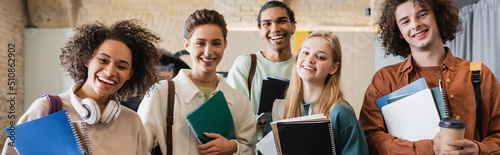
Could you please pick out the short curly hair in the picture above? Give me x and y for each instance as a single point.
(80, 48)
(447, 19)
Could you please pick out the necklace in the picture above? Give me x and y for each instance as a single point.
(202, 81)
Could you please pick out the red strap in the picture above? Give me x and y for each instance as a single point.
(55, 103)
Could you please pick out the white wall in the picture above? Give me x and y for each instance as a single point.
(43, 71)
(381, 60)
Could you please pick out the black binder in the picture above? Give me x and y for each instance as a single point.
(272, 88)
(307, 137)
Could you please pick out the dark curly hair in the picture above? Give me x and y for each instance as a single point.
(447, 20)
(79, 49)
(272, 4)
(202, 17)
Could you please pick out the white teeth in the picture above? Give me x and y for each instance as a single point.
(276, 37)
(420, 34)
(107, 81)
(308, 68)
(207, 60)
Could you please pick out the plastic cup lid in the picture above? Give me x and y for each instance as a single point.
(450, 122)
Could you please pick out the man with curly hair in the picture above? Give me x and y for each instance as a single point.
(417, 30)
(108, 64)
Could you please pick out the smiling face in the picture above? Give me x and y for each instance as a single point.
(108, 69)
(276, 28)
(418, 26)
(315, 60)
(206, 48)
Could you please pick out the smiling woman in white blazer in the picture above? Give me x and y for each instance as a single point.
(205, 39)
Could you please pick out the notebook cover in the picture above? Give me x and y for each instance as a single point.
(436, 93)
(49, 135)
(272, 88)
(213, 116)
(414, 117)
(439, 102)
(299, 138)
(413, 87)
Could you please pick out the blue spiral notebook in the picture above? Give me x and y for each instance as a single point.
(49, 135)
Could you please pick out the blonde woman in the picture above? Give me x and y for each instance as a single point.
(315, 89)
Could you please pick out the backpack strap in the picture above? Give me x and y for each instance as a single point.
(170, 115)
(475, 68)
(169, 119)
(253, 65)
(55, 103)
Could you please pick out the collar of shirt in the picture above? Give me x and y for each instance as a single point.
(189, 89)
(448, 63)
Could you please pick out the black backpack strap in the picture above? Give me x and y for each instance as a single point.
(55, 103)
(253, 65)
(169, 119)
(475, 68)
(170, 115)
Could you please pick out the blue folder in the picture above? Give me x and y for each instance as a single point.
(411, 88)
(49, 135)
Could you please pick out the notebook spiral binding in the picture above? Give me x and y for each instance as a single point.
(75, 133)
(443, 100)
(333, 140)
(194, 131)
(277, 142)
(84, 135)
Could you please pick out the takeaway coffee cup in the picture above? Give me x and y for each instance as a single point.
(451, 129)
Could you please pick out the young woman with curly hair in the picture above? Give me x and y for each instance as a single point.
(205, 36)
(417, 29)
(107, 64)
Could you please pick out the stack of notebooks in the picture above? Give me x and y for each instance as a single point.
(302, 135)
(52, 134)
(213, 116)
(413, 111)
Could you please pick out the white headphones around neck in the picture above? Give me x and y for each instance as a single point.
(89, 110)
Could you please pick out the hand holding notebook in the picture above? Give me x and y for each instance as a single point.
(213, 116)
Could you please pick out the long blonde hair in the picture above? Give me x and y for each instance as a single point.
(331, 94)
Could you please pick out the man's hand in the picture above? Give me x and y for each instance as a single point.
(219, 145)
(262, 124)
(468, 147)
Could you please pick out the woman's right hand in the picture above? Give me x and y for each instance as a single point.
(220, 145)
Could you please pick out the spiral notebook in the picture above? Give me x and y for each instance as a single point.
(213, 116)
(52, 134)
(304, 135)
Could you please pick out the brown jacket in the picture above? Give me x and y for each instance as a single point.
(459, 90)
